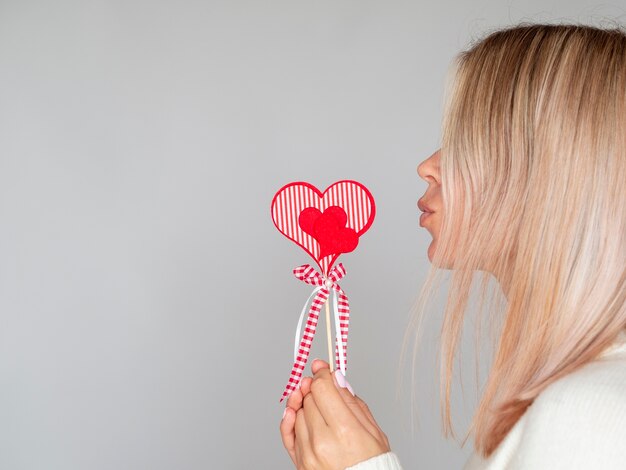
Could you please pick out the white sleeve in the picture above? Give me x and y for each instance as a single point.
(387, 461)
(576, 425)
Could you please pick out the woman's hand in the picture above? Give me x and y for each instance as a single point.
(326, 427)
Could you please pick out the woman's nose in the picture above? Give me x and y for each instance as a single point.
(422, 169)
(425, 168)
(428, 168)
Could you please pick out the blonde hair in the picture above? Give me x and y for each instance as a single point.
(533, 170)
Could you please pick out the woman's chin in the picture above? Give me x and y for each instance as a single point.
(431, 250)
(431, 254)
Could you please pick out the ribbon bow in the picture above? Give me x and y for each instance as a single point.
(341, 309)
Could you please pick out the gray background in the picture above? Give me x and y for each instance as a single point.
(147, 305)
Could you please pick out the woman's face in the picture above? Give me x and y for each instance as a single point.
(431, 202)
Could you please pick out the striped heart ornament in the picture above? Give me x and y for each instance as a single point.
(313, 219)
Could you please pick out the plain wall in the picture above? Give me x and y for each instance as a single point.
(147, 304)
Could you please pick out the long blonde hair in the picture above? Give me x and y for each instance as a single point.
(533, 170)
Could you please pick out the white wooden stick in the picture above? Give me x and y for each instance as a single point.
(330, 341)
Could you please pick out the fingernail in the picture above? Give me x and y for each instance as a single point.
(284, 413)
(341, 380)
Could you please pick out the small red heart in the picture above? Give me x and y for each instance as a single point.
(332, 235)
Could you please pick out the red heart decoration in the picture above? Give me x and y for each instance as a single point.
(329, 229)
(324, 224)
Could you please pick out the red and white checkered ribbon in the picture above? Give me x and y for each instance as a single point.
(341, 309)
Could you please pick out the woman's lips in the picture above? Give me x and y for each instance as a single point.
(423, 207)
(424, 217)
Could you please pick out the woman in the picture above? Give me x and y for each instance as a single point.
(529, 187)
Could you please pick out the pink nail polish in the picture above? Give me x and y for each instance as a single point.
(341, 380)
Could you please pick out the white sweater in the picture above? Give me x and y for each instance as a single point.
(577, 422)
